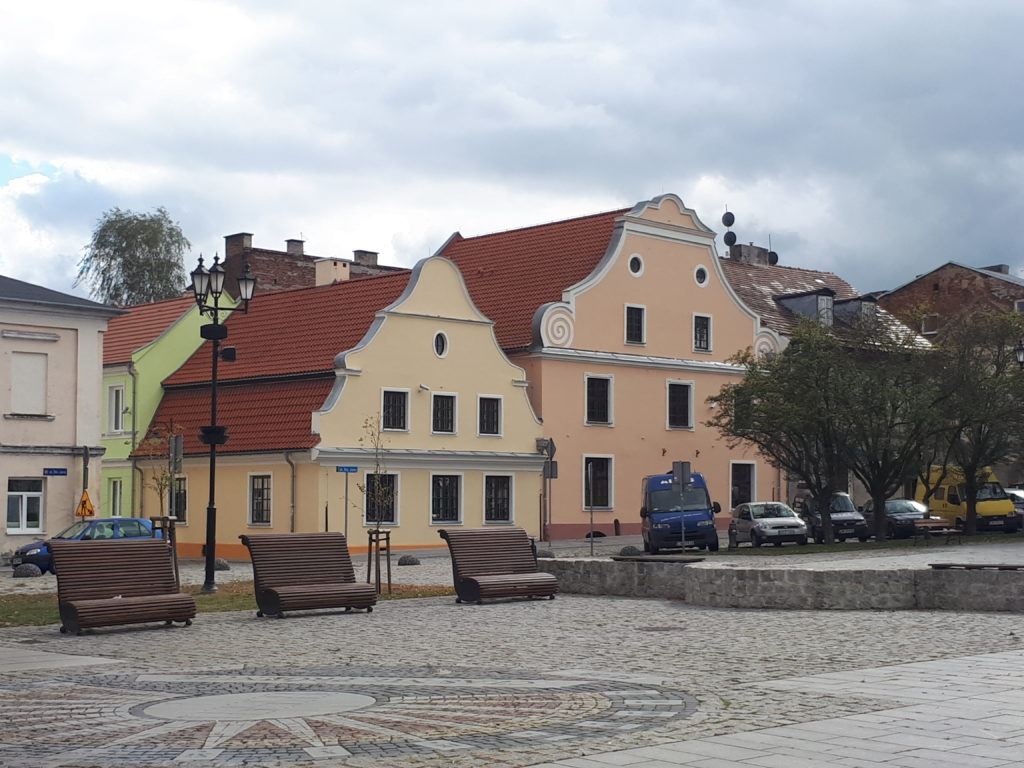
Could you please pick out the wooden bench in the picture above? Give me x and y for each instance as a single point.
(934, 527)
(976, 566)
(496, 562)
(305, 571)
(109, 583)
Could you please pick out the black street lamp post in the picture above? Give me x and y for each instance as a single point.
(1019, 351)
(208, 286)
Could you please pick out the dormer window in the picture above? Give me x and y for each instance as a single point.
(825, 309)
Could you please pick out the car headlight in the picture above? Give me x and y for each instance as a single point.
(35, 551)
(761, 526)
(1012, 512)
(704, 522)
(661, 526)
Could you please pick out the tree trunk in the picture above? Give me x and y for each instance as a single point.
(881, 520)
(971, 523)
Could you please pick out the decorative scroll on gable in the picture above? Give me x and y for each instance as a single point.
(554, 325)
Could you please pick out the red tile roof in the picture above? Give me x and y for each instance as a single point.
(510, 274)
(758, 286)
(140, 326)
(288, 333)
(273, 416)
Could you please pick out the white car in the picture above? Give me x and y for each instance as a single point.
(765, 522)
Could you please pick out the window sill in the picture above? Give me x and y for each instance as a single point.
(629, 343)
(21, 532)
(586, 509)
(489, 434)
(29, 417)
(599, 423)
(703, 351)
(499, 522)
(391, 429)
(435, 523)
(371, 526)
(670, 428)
(444, 434)
(261, 525)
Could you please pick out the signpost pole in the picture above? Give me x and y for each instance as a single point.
(590, 503)
(346, 505)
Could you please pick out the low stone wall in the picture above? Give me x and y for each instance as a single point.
(792, 588)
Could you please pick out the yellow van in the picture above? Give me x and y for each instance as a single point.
(995, 508)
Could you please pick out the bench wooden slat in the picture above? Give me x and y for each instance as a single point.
(304, 571)
(109, 583)
(495, 562)
(977, 566)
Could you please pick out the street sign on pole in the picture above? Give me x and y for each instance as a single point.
(347, 470)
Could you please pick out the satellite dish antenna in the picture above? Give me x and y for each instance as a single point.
(730, 238)
(728, 219)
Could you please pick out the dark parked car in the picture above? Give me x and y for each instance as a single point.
(900, 516)
(99, 529)
(847, 522)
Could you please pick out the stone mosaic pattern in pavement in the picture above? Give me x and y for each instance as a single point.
(503, 684)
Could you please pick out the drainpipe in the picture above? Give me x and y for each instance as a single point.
(135, 437)
(288, 458)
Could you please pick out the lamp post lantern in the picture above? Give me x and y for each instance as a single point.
(208, 287)
(1019, 350)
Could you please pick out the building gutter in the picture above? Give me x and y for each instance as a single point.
(291, 464)
(135, 436)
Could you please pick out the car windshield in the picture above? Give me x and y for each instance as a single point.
(842, 504)
(989, 491)
(671, 500)
(73, 530)
(764, 511)
(904, 506)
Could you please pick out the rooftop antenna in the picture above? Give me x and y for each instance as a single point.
(773, 257)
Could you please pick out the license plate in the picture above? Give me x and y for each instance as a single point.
(16, 561)
(845, 530)
(995, 522)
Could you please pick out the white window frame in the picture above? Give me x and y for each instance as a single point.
(398, 498)
(1018, 305)
(408, 409)
(25, 495)
(639, 272)
(707, 276)
(625, 325)
(180, 523)
(925, 319)
(611, 399)
(115, 416)
(826, 309)
(462, 499)
(611, 480)
(668, 388)
(248, 506)
(711, 334)
(455, 412)
(753, 479)
(116, 496)
(511, 498)
(501, 416)
(433, 343)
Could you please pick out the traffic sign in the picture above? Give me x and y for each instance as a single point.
(85, 507)
(348, 470)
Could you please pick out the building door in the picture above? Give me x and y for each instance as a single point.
(741, 482)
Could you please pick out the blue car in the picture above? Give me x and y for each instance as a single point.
(667, 513)
(100, 529)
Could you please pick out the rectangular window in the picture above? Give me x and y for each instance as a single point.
(445, 493)
(679, 405)
(24, 505)
(825, 305)
(1018, 305)
(929, 325)
(259, 499)
(115, 409)
(597, 480)
(443, 419)
(395, 410)
(701, 333)
(116, 491)
(179, 499)
(636, 331)
(497, 499)
(490, 415)
(381, 499)
(28, 383)
(599, 400)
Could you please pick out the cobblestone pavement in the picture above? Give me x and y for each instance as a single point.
(432, 683)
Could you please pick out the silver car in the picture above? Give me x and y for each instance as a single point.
(764, 522)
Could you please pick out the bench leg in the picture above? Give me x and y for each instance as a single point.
(188, 622)
(369, 609)
(63, 629)
(259, 614)
(551, 597)
(458, 599)
(348, 610)
(168, 623)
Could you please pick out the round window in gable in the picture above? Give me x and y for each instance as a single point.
(440, 344)
(700, 275)
(636, 265)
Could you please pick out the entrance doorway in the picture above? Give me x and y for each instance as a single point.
(741, 481)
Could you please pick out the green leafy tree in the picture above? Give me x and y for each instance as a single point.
(134, 258)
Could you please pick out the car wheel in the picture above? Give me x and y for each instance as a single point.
(651, 549)
(755, 540)
(802, 541)
(863, 538)
(713, 546)
(733, 543)
(647, 545)
(777, 543)
(890, 531)
(840, 538)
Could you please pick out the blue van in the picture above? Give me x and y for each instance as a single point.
(665, 509)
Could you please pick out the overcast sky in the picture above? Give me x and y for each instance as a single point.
(873, 139)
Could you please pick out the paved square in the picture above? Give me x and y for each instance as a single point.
(576, 682)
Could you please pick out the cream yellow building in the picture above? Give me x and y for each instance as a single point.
(398, 377)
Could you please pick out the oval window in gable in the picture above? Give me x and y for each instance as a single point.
(440, 344)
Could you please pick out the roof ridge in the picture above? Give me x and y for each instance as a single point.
(619, 211)
(781, 266)
(130, 307)
(353, 281)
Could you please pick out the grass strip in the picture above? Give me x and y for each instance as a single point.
(41, 608)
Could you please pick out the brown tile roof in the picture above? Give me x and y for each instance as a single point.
(140, 326)
(510, 274)
(289, 333)
(759, 286)
(268, 416)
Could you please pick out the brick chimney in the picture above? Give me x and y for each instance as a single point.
(294, 247)
(237, 243)
(749, 254)
(365, 258)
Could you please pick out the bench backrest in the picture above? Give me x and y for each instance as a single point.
(490, 551)
(93, 570)
(290, 559)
